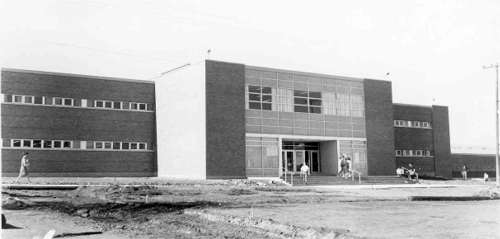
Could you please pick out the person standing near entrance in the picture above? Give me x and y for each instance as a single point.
(464, 172)
(304, 171)
(23, 170)
(342, 165)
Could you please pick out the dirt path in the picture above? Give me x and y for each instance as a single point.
(231, 210)
(387, 219)
(31, 223)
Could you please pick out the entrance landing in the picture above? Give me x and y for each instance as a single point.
(317, 180)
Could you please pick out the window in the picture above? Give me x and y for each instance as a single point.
(405, 152)
(27, 143)
(133, 106)
(329, 103)
(18, 99)
(343, 107)
(426, 125)
(99, 145)
(107, 145)
(398, 153)
(57, 101)
(307, 101)
(357, 107)
(28, 99)
(117, 105)
(409, 124)
(37, 143)
(142, 146)
(419, 153)
(396, 123)
(68, 101)
(133, 145)
(57, 143)
(125, 146)
(67, 144)
(84, 103)
(410, 152)
(260, 98)
(38, 100)
(47, 144)
(142, 106)
(108, 104)
(16, 143)
(416, 124)
(428, 153)
(314, 102)
(7, 98)
(99, 104)
(285, 100)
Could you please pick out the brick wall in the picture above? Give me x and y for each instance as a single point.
(71, 123)
(379, 127)
(414, 138)
(441, 130)
(225, 120)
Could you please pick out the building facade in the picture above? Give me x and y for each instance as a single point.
(422, 137)
(73, 125)
(263, 122)
(215, 120)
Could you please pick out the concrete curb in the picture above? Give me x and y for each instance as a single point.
(388, 186)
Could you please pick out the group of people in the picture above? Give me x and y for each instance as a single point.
(465, 170)
(410, 172)
(345, 166)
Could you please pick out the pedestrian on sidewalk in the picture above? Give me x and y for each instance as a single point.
(464, 172)
(304, 171)
(24, 169)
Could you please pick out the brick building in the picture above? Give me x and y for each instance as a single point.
(74, 125)
(215, 120)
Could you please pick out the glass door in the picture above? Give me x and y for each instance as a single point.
(315, 162)
(299, 159)
(287, 160)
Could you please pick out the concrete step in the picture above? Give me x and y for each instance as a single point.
(335, 180)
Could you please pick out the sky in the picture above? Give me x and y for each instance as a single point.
(433, 50)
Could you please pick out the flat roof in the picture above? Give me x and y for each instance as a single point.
(298, 72)
(76, 75)
(423, 106)
(337, 77)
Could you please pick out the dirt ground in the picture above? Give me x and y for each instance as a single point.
(246, 209)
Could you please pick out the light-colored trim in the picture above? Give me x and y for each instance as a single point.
(333, 77)
(77, 75)
(306, 137)
(77, 107)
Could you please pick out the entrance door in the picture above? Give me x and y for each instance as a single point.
(299, 159)
(287, 160)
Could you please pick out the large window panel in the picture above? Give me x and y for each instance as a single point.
(260, 98)
(329, 103)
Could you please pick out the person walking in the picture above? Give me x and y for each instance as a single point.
(348, 167)
(464, 172)
(342, 165)
(304, 171)
(24, 169)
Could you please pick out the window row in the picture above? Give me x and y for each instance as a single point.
(39, 143)
(70, 102)
(412, 124)
(413, 153)
(120, 145)
(317, 102)
(72, 144)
